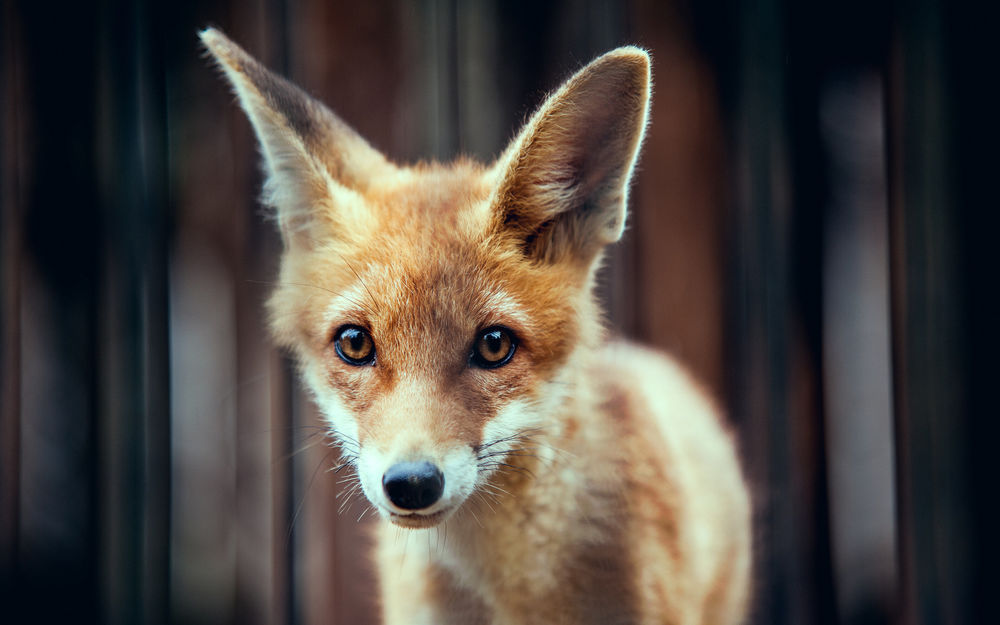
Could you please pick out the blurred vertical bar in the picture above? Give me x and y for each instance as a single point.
(11, 158)
(438, 41)
(284, 411)
(226, 551)
(478, 103)
(134, 425)
(760, 284)
(263, 440)
(930, 350)
(775, 377)
(971, 57)
(152, 29)
(59, 541)
(283, 579)
(856, 349)
(669, 287)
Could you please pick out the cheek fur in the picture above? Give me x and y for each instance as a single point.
(335, 410)
(360, 386)
(518, 418)
(516, 424)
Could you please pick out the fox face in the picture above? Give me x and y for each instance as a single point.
(432, 357)
(436, 311)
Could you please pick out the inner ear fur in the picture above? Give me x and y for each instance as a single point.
(315, 165)
(564, 179)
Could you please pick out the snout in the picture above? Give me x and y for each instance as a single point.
(417, 486)
(413, 485)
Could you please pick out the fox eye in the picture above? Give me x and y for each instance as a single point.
(493, 348)
(354, 346)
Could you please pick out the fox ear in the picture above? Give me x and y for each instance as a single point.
(564, 180)
(315, 165)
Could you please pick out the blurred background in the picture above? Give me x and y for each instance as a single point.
(810, 232)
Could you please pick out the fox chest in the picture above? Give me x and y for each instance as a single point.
(560, 559)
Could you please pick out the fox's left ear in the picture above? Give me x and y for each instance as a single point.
(564, 180)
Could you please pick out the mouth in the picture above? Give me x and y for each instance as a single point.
(415, 520)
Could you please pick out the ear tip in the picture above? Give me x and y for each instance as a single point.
(633, 56)
(629, 64)
(220, 46)
(631, 51)
(212, 38)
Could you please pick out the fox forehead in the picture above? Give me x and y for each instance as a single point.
(429, 265)
(435, 201)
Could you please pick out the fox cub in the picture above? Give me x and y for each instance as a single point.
(443, 318)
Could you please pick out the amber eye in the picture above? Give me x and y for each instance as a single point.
(354, 346)
(493, 348)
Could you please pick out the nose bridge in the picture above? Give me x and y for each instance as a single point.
(416, 421)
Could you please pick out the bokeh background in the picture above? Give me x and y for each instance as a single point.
(811, 231)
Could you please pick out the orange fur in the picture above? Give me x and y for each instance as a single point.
(584, 482)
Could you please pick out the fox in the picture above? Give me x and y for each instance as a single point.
(443, 318)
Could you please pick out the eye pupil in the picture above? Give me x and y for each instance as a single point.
(493, 342)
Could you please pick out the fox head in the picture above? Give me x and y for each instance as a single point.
(438, 313)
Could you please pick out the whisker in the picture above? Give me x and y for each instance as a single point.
(512, 454)
(340, 467)
(473, 512)
(523, 435)
(313, 286)
(495, 490)
(365, 286)
(359, 304)
(364, 512)
(298, 508)
(308, 444)
(349, 498)
(512, 467)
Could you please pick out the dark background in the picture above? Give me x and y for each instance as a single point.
(811, 232)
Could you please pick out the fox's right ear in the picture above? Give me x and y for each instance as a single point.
(315, 165)
(565, 178)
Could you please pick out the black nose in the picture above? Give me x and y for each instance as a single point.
(413, 485)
